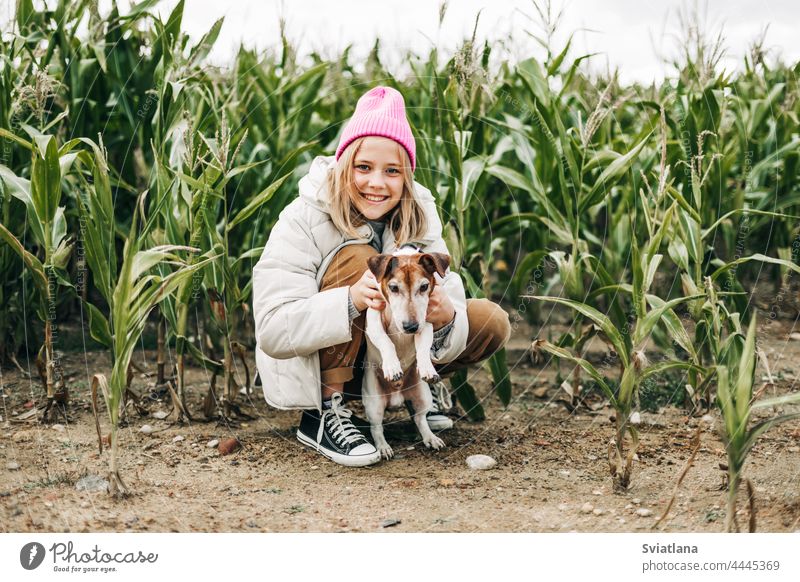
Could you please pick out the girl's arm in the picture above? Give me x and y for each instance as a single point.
(292, 317)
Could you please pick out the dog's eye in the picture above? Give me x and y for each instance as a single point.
(394, 288)
(424, 287)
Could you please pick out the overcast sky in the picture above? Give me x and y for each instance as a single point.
(632, 35)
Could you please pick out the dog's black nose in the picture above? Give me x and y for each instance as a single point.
(410, 326)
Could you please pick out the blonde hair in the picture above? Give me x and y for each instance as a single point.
(407, 219)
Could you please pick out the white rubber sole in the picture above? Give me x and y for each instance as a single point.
(346, 460)
(441, 424)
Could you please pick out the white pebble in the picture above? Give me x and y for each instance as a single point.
(643, 512)
(480, 462)
(635, 418)
(146, 429)
(58, 427)
(212, 444)
(708, 419)
(12, 466)
(178, 439)
(159, 415)
(587, 508)
(794, 336)
(598, 511)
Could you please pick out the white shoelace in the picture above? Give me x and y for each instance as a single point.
(339, 425)
(441, 397)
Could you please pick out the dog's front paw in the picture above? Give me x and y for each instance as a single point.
(427, 372)
(386, 451)
(392, 370)
(433, 442)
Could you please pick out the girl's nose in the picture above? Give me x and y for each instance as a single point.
(376, 180)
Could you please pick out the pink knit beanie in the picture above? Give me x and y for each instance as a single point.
(381, 111)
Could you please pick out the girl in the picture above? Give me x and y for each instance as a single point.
(311, 287)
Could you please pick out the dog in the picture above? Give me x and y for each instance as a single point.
(398, 338)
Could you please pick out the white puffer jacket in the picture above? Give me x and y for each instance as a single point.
(294, 320)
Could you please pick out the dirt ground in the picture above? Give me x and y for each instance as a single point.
(551, 473)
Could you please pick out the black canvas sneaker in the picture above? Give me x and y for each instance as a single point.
(441, 403)
(333, 434)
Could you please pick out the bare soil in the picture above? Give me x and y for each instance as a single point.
(551, 473)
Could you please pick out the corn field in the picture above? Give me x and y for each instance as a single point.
(139, 185)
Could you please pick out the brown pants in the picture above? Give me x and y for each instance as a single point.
(489, 327)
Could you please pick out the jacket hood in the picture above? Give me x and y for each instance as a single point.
(314, 188)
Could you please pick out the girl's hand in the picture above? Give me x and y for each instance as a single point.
(440, 309)
(366, 293)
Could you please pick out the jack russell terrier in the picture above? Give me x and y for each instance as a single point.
(397, 338)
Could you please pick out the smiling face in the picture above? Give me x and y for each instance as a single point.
(378, 177)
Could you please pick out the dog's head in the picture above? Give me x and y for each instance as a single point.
(406, 281)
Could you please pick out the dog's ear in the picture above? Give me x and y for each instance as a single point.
(435, 263)
(382, 265)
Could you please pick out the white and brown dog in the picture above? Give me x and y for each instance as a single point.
(398, 338)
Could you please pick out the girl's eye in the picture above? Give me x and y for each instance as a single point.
(394, 288)
(423, 287)
(394, 171)
(362, 167)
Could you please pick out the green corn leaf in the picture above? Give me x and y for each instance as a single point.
(501, 378)
(465, 394)
(584, 364)
(611, 175)
(612, 333)
(98, 326)
(645, 326)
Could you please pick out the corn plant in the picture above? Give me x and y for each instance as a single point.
(131, 292)
(736, 402)
(215, 224)
(42, 197)
(628, 338)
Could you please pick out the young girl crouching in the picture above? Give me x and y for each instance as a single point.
(311, 287)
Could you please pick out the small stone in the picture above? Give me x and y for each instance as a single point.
(587, 508)
(228, 446)
(635, 419)
(22, 436)
(644, 512)
(92, 483)
(314, 467)
(85, 504)
(159, 415)
(597, 492)
(794, 449)
(564, 473)
(794, 336)
(213, 443)
(12, 466)
(58, 427)
(598, 511)
(636, 501)
(480, 462)
(178, 439)
(146, 429)
(390, 522)
(708, 419)
(563, 507)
